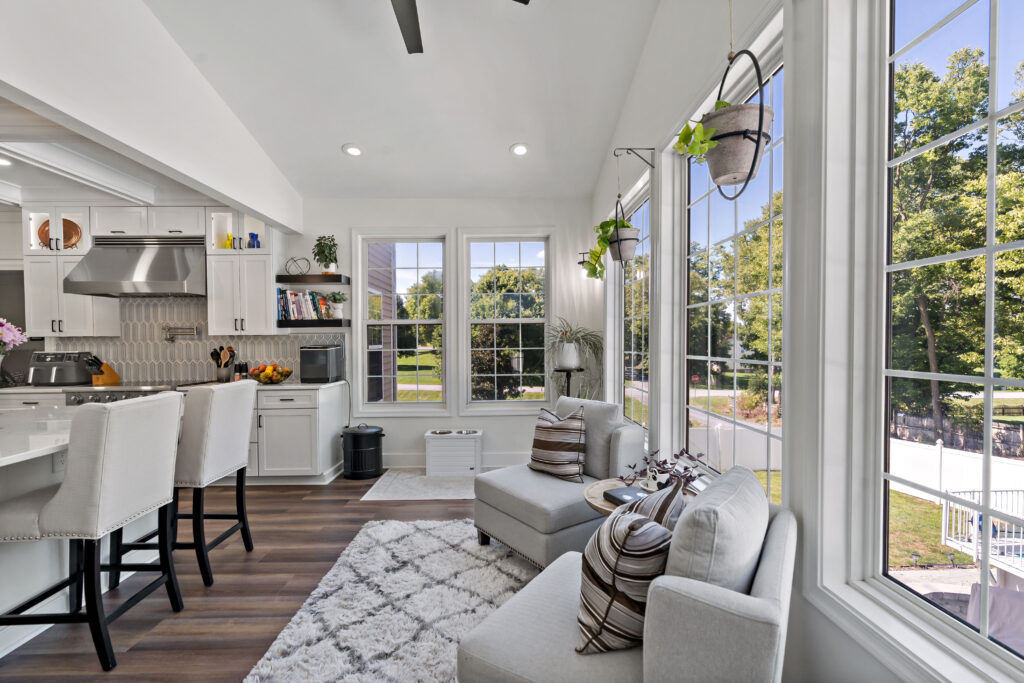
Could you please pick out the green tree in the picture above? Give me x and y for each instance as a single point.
(505, 292)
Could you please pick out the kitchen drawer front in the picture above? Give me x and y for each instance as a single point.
(285, 398)
(27, 400)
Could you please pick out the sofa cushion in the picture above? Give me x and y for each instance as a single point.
(541, 501)
(664, 506)
(532, 637)
(559, 445)
(600, 419)
(626, 553)
(719, 535)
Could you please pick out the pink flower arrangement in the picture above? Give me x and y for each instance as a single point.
(10, 336)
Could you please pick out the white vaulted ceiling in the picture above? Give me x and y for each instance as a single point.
(308, 76)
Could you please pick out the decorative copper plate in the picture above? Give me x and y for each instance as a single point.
(72, 233)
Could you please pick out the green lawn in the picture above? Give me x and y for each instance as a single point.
(915, 525)
(636, 410)
(427, 364)
(776, 495)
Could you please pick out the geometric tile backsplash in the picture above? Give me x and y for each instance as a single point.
(142, 354)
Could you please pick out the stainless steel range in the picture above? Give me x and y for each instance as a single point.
(76, 396)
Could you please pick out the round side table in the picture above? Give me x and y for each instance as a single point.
(594, 494)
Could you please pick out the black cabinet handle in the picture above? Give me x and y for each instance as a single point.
(259, 421)
(236, 324)
(286, 400)
(117, 232)
(60, 325)
(59, 240)
(174, 232)
(53, 326)
(30, 403)
(51, 244)
(243, 324)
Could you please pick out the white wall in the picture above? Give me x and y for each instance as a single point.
(507, 439)
(110, 71)
(678, 69)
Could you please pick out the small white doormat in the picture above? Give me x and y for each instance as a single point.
(414, 484)
(395, 605)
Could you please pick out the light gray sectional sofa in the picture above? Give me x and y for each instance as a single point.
(540, 516)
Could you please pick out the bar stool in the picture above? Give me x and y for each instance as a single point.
(214, 443)
(120, 466)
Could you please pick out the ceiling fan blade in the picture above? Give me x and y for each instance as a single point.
(409, 23)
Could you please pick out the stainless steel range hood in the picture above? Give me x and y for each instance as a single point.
(141, 266)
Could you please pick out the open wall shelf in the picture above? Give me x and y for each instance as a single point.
(310, 279)
(344, 322)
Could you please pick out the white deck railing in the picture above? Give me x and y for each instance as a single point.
(963, 529)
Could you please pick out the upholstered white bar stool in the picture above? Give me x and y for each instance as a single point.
(214, 443)
(120, 466)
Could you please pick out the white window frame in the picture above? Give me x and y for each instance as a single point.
(833, 324)
(633, 200)
(361, 238)
(465, 236)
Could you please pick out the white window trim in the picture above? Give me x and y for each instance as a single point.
(614, 350)
(467, 407)
(360, 238)
(834, 315)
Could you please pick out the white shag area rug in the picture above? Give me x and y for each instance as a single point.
(395, 606)
(414, 484)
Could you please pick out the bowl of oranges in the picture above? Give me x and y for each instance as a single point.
(270, 374)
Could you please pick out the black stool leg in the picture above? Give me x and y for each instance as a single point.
(76, 569)
(116, 539)
(174, 517)
(165, 525)
(94, 606)
(243, 516)
(199, 535)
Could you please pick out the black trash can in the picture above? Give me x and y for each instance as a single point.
(363, 451)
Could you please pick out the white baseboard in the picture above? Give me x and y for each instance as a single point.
(13, 637)
(490, 459)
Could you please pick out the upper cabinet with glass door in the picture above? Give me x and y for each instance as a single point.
(230, 231)
(55, 230)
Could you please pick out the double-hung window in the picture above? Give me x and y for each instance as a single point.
(953, 472)
(507, 319)
(734, 314)
(403, 321)
(636, 320)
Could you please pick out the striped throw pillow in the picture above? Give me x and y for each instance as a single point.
(559, 445)
(664, 506)
(623, 556)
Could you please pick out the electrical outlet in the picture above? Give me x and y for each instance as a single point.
(60, 461)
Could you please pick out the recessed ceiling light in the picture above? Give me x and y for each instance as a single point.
(519, 149)
(351, 150)
(5, 162)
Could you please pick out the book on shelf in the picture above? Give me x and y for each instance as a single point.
(305, 305)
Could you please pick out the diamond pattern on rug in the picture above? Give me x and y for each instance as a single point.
(395, 605)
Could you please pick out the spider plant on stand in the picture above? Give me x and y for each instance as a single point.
(571, 346)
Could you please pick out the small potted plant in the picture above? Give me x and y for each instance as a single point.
(620, 242)
(571, 345)
(325, 253)
(728, 140)
(337, 300)
(654, 473)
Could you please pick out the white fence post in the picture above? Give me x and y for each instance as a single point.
(938, 444)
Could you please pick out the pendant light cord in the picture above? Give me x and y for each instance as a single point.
(732, 52)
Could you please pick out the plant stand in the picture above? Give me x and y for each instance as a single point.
(568, 378)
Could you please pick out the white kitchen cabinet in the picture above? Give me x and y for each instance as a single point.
(293, 441)
(229, 231)
(49, 312)
(176, 220)
(31, 398)
(52, 230)
(287, 442)
(120, 220)
(239, 294)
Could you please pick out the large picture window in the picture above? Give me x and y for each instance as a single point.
(734, 314)
(636, 321)
(508, 314)
(404, 292)
(953, 470)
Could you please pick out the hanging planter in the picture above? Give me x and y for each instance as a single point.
(732, 138)
(624, 237)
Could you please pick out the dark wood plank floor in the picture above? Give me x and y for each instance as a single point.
(299, 531)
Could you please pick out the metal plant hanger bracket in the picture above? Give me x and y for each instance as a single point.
(635, 151)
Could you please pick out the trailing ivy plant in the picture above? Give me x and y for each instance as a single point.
(696, 140)
(325, 250)
(594, 263)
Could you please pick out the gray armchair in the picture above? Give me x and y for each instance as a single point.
(540, 516)
(693, 631)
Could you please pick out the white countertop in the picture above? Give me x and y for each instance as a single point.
(32, 433)
(31, 389)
